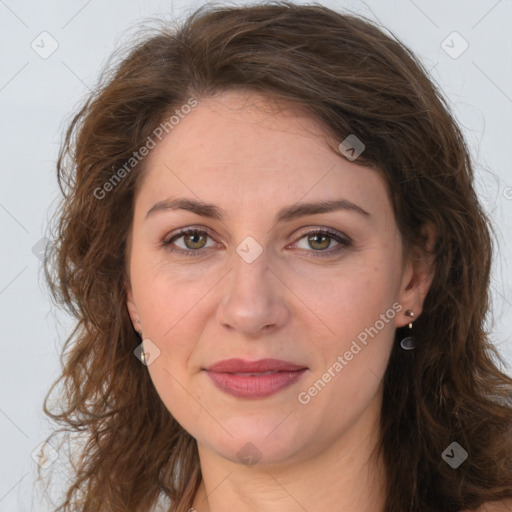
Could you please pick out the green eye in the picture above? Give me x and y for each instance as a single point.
(320, 240)
(194, 242)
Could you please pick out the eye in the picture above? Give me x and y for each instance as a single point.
(321, 239)
(193, 242)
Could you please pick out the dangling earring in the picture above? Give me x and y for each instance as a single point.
(409, 342)
(142, 354)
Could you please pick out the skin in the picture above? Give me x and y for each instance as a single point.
(241, 152)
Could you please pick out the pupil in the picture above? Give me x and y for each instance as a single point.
(314, 239)
(194, 237)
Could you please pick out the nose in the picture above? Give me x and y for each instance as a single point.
(254, 301)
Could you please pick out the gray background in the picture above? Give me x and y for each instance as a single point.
(39, 92)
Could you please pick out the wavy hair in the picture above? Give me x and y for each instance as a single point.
(354, 78)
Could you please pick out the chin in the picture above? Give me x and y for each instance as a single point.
(259, 442)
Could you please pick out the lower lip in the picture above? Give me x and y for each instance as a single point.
(259, 386)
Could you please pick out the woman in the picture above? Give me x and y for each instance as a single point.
(273, 210)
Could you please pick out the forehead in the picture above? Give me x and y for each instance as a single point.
(260, 131)
(245, 146)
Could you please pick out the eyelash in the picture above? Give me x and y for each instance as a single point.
(344, 242)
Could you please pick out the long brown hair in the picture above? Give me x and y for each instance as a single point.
(356, 79)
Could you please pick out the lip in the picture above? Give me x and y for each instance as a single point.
(260, 366)
(233, 376)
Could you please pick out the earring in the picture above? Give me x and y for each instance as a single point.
(409, 342)
(143, 356)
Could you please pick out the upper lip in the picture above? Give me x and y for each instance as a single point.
(260, 366)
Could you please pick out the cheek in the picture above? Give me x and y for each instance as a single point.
(174, 312)
(351, 297)
(168, 295)
(359, 307)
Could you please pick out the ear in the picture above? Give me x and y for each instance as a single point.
(417, 275)
(132, 308)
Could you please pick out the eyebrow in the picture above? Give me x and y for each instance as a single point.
(287, 213)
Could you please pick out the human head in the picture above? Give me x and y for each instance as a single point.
(353, 79)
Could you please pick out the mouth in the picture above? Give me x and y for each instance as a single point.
(256, 367)
(254, 379)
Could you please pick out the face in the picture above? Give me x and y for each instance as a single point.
(261, 276)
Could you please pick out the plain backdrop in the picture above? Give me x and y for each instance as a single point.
(51, 55)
